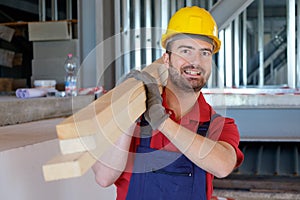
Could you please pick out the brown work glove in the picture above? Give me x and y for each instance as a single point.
(155, 113)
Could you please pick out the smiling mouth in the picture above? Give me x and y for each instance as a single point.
(192, 72)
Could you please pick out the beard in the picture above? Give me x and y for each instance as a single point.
(187, 84)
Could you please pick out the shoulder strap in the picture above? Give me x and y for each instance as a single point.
(146, 133)
(146, 130)
(203, 127)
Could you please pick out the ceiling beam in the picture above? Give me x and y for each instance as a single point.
(21, 5)
(225, 11)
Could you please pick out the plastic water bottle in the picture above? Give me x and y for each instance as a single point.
(71, 67)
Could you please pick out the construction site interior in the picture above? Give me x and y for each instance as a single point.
(255, 80)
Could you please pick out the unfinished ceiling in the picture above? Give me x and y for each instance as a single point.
(28, 10)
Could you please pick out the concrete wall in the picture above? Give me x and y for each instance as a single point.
(21, 177)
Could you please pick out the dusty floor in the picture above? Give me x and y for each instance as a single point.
(253, 195)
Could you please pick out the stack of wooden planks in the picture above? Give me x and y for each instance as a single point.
(84, 136)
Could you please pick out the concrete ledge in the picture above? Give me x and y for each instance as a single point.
(16, 111)
(20, 135)
(223, 100)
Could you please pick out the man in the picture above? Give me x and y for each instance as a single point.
(181, 143)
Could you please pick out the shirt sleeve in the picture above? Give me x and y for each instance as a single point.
(122, 183)
(225, 129)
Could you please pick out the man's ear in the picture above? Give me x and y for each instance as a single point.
(166, 59)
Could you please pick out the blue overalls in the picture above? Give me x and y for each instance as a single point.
(164, 175)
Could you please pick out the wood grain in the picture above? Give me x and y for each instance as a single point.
(103, 122)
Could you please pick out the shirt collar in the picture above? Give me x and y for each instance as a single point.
(199, 113)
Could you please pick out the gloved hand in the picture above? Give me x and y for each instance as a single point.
(155, 113)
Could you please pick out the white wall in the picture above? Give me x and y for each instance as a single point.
(21, 177)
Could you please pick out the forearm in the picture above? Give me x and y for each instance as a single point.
(112, 163)
(218, 158)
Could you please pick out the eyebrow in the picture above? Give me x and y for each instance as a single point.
(190, 47)
(185, 46)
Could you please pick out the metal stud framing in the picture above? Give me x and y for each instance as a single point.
(291, 47)
(140, 26)
(140, 45)
(54, 10)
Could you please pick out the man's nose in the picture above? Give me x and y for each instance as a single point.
(196, 60)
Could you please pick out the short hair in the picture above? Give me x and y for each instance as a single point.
(186, 36)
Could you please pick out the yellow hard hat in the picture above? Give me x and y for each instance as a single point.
(192, 20)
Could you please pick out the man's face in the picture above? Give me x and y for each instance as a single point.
(189, 63)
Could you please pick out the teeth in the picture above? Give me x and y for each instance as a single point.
(192, 72)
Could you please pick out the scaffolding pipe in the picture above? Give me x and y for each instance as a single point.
(118, 41)
(237, 52)
(42, 10)
(100, 53)
(261, 42)
(180, 4)
(189, 3)
(69, 9)
(202, 3)
(210, 4)
(291, 47)
(165, 14)
(157, 31)
(126, 32)
(228, 56)
(244, 52)
(147, 47)
(137, 34)
(173, 7)
(298, 45)
(54, 15)
(221, 63)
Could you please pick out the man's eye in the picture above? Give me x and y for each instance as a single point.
(185, 51)
(206, 53)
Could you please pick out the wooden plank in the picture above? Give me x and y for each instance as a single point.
(106, 115)
(75, 145)
(76, 164)
(68, 166)
(86, 121)
(121, 120)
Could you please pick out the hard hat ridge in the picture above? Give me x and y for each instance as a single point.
(192, 20)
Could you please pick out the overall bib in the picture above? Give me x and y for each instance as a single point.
(164, 175)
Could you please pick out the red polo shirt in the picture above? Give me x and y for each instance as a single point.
(221, 129)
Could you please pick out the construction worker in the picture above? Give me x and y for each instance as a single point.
(180, 143)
